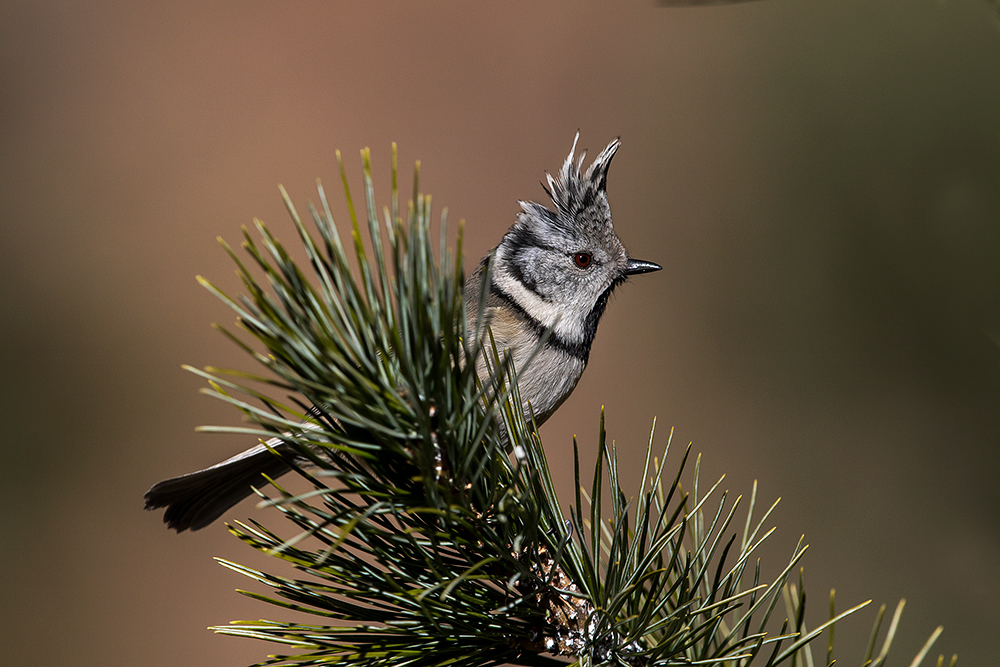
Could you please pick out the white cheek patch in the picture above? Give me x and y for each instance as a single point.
(565, 319)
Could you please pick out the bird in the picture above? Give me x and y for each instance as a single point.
(550, 278)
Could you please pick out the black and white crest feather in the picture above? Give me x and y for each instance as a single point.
(572, 191)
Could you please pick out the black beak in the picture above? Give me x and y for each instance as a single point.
(637, 266)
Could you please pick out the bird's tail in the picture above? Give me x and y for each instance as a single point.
(198, 498)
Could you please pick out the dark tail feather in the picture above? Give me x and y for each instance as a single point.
(197, 499)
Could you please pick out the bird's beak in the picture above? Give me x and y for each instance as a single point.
(637, 266)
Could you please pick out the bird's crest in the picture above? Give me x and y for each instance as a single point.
(572, 191)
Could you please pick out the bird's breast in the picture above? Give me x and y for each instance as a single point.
(546, 374)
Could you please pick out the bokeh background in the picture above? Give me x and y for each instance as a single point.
(820, 180)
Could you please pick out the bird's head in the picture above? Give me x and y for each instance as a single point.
(561, 265)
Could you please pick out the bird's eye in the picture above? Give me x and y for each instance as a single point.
(582, 259)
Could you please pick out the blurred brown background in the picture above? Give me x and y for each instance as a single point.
(821, 182)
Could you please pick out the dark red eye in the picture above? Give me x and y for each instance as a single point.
(582, 259)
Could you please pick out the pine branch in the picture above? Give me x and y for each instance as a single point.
(432, 534)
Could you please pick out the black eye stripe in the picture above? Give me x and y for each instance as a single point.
(524, 238)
